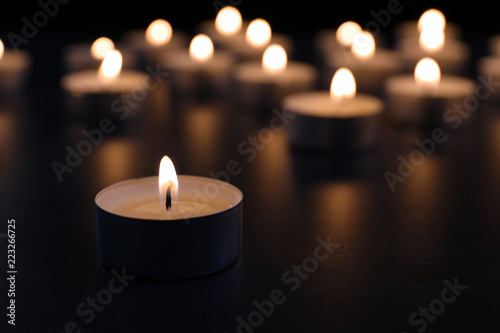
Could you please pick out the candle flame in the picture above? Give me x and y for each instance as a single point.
(258, 33)
(159, 32)
(431, 40)
(274, 59)
(100, 47)
(228, 21)
(343, 85)
(201, 48)
(2, 49)
(167, 178)
(432, 19)
(346, 32)
(110, 66)
(363, 45)
(427, 73)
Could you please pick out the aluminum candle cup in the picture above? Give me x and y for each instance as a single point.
(202, 235)
(322, 124)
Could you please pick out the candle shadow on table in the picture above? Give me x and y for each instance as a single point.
(201, 303)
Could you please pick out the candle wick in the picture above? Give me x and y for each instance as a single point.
(168, 204)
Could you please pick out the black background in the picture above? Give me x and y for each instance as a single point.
(396, 249)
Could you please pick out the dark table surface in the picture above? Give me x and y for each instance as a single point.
(397, 253)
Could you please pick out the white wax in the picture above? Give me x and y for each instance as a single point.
(180, 210)
(88, 82)
(409, 29)
(180, 60)
(79, 57)
(294, 73)
(450, 87)
(451, 58)
(198, 196)
(320, 104)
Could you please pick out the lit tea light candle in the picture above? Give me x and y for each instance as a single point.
(201, 49)
(427, 95)
(329, 42)
(265, 83)
(227, 28)
(371, 65)
(427, 75)
(150, 44)
(109, 78)
(433, 41)
(199, 70)
(430, 18)
(228, 21)
(89, 56)
(337, 120)
(169, 227)
(159, 33)
(338, 40)
(94, 90)
(13, 69)
(274, 60)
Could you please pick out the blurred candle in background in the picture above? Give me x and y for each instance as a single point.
(149, 44)
(436, 41)
(83, 56)
(370, 64)
(335, 120)
(427, 96)
(200, 72)
(264, 83)
(14, 67)
(94, 93)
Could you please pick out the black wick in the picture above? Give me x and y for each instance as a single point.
(168, 204)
